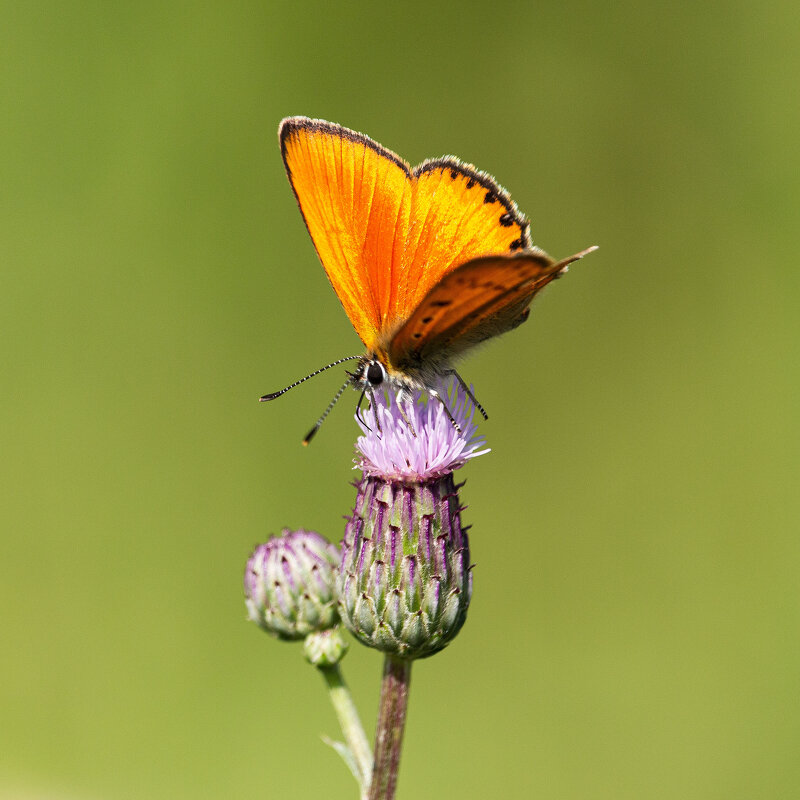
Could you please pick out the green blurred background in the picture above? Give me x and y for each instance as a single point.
(634, 628)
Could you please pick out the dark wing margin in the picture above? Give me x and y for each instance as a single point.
(509, 215)
(291, 125)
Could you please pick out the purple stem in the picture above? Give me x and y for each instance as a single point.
(391, 724)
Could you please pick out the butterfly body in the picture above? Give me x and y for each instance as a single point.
(427, 261)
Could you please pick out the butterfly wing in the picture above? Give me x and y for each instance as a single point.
(480, 299)
(457, 213)
(355, 197)
(386, 234)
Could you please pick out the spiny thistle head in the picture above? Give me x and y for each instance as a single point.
(289, 584)
(405, 581)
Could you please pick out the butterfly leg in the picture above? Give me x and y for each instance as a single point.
(400, 400)
(434, 393)
(374, 407)
(468, 393)
(358, 411)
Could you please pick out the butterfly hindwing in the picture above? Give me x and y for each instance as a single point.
(479, 299)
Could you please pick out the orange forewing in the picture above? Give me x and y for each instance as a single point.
(480, 299)
(354, 197)
(385, 234)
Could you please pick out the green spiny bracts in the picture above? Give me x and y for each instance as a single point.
(325, 648)
(405, 582)
(289, 584)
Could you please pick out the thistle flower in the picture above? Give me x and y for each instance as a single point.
(394, 453)
(289, 584)
(405, 581)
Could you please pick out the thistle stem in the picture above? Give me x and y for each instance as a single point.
(391, 724)
(349, 720)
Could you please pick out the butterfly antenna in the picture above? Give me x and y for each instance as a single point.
(303, 380)
(310, 435)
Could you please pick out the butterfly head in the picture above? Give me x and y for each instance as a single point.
(372, 373)
(376, 371)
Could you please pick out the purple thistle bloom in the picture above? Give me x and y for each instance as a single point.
(438, 448)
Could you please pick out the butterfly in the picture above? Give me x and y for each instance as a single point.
(427, 261)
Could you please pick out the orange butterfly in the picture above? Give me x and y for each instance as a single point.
(427, 261)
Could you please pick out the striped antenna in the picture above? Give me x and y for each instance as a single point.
(303, 380)
(318, 424)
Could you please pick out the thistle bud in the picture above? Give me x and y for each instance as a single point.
(405, 581)
(289, 584)
(325, 648)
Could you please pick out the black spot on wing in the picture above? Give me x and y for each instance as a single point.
(516, 244)
(494, 193)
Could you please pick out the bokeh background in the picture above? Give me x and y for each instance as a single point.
(634, 629)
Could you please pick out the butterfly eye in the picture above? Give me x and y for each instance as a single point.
(375, 374)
